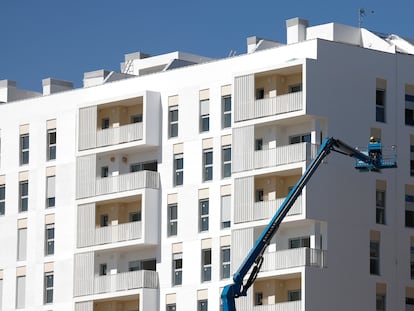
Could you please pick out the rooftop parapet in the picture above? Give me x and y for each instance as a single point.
(51, 86)
(9, 92)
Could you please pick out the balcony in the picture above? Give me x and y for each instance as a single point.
(126, 182)
(267, 209)
(277, 105)
(284, 155)
(125, 281)
(88, 186)
(118, 233)
(134, 119)
(296, 257)
(281, 306)
(119, 135)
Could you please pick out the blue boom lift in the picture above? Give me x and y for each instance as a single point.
(372, 160)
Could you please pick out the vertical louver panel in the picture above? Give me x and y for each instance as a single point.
(84, 277)
(243, 199)
(243, 97)
(87, 127)
(243, 148)
(241, 244)
(84, 306)
(85, 176)
(86, 225)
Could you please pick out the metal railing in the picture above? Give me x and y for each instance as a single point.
(278, 104)
(118, 233)
(118, 135)
(266, 209)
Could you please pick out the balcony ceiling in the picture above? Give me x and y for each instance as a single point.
(125, 102)
(285, 71)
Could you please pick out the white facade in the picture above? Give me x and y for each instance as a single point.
(133, 206)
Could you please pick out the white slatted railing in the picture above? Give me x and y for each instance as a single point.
(118, 135)
(266, 209)
(118, 233)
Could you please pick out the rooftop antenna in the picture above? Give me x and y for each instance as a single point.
(361, 14)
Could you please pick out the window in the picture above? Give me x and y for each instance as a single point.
(409, 109)
(50, 191)
(24, 149)
(48, 287)
(259, 195)
(204, 211)
(206, 265)
(136, 119)
(51, 144)
(412, 261)
(380, 302)
(104, 220)
(299, 242)
(172, 219)
(23, 195)
(178, 169)
(225, 211)
(380, 105)
(380, 210)
(208, 164)
(105, 123)
(225, 262)
(20, 292)
(50, 239)
(374, 249)
(173, 121)
(134, 265)
(104, 171)
(294, 295)
(2, 199)
(134, 216)
(258, 298)
(260, 93)
(409, 211)
(202, 305)
(171, 307)
(226, 158)
(258, 144)
(303, 138)
(21, 243)
(295, 88)
(143, 166)
(412, 157)
(177, 269)
(204, 115)
(226, 107)
(103, 268)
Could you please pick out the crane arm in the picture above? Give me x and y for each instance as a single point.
(254, 259)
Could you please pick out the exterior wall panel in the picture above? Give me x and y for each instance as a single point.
(243, 199)
(243, 97)
(86, 176)
(84, 274)
(87, 127)
(243, 148)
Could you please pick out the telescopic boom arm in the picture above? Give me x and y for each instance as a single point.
(372, 161)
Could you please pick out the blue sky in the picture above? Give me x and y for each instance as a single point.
(64, 39)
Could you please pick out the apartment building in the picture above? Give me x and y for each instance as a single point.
(145, 189)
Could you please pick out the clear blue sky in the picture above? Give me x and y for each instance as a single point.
(64, 39)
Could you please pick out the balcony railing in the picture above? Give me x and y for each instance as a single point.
(125, 182)
(281, 306)
(266, 209)
(278, 105)
(296, 257)
(118, 233)
(284, 155)
(118, 135)
(125, 281)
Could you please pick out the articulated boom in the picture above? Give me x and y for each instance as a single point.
(372, 160)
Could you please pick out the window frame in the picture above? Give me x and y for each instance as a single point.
(226, 162)
(226, 111)
(2, 200)
(50, 200)
(178, 169)
(207, 164)
(24, 149)
(380, 105)
(204, 212)
(177, 267)
(23, 196)
(51, 146)
(225, 262)
(48, 288)
(374, 257)
(173, 118)
(380, 207)
(49, 239)
(206, 265)
(172, 229)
